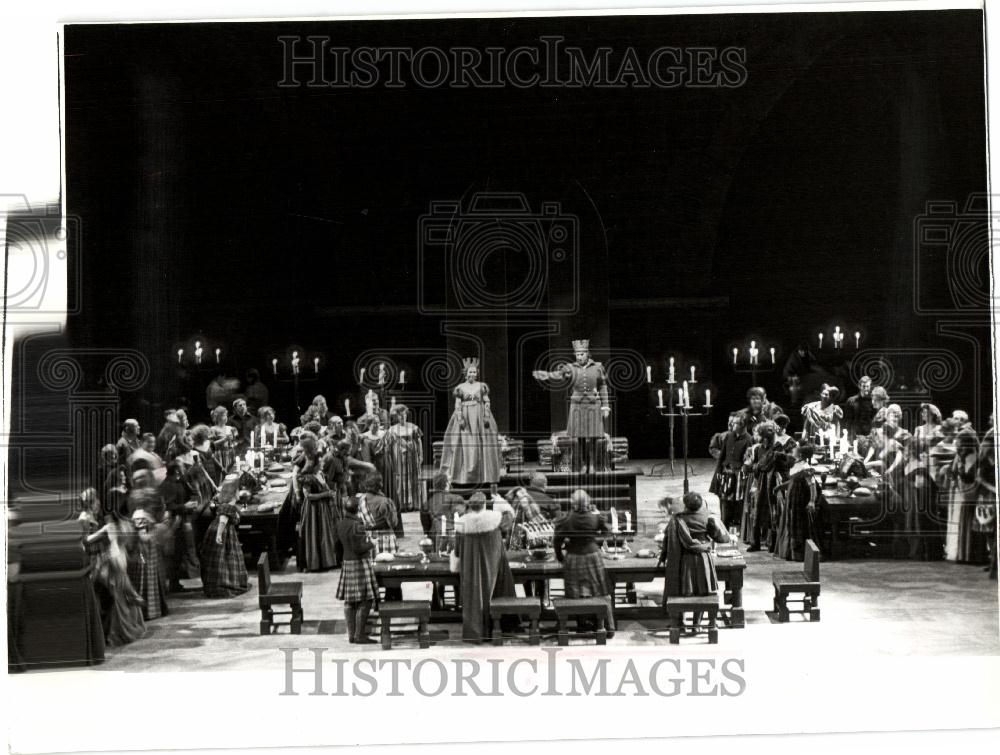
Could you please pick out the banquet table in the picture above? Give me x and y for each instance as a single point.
(852, 516)
(730, 565)
(259, 527)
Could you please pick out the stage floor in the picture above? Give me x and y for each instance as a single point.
(872, 606)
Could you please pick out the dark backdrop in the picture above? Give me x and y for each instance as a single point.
(213, 202)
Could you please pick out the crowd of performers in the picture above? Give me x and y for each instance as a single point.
(937, 479)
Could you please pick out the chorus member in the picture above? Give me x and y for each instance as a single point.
(223, 568)
(804, 507)
(321, 412)
(217, 392)
(114, 553)
(404, 456)
(584, 573)
(920, 491)
(129, 442)
(256, 392)
(754, 412)
(371, 448)
(686, 551)
(373, 410)
(725, 481)
(269, 432)
(822, 418)
(152, 586)
(357, 588)
(106, 474)
(176, 493)
(244, 423)
(379, 514)
(765, 469)
(471, 449)
(880, 399)
(483, 569)
(168, 433)
(782, 439)
(986, 509)
(859, 410)
(443, 506)
(221, 437)
(536, 497)
(316, 506)
(964, 543)
(588, 403)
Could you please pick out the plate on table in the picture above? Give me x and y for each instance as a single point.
(645, 553)
(278, 483)
(407, 555)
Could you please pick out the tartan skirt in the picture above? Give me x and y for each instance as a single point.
(223, 570)
(357, 581)
(585, 576)
(585, 420)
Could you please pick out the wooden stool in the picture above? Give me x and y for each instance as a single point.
(679, 605)
(805, 582)
(569, 608)
(530, 607)
(418, 610)
(277, 594)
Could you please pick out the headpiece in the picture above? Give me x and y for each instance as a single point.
(581, 344)
(470, 362)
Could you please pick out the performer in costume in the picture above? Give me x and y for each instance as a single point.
(471, 452)
(588, 402)
(404, 455)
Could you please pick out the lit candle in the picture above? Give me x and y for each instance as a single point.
(649, 374)
(854, 447)
(274, 366)
(735, 353)
(659, 393)
(392, 404)
(837, 337)
(347, 405)
(686, 399)
(753, 352)
(772, 355)
(628, 521)
(217, 352)
(857, 339)
(180, 354)
(614, 520)
(362, 378)
(197, 352)
(680, 396)
(692, 374)
(402, 377)
(821, 340)
(708, 399)
(670, 377)
(295, 363)
(444, 526)
(274, 434)
(316, 364)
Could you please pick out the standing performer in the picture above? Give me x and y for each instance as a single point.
(471, 452)
(403, 457)
(588, 402)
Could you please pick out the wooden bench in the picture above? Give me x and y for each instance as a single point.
(277, 594)
(805, 582)
(679, 605)
(568, 609)
(418, 610)
(514, 606)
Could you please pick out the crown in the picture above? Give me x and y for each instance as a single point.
(471, 362)
(582, 343)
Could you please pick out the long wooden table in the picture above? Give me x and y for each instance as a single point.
(259, 529)
(627, 571)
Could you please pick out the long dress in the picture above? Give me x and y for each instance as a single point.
(686, 551)
(964, 543)
(317, 516)
(922, 523)
(483, 568)
(124, 619)
(152, 584)
(223, 571)
(471, 452)
(404, 455)
(222, 440)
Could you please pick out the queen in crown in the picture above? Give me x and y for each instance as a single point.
(471, 453)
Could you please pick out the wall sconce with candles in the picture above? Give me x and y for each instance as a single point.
(200, 353)
(837, 339)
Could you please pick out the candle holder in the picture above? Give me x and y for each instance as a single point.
(683, 409)
(839, 339)
(753, 364)
(297, 366)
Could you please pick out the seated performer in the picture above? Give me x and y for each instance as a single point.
(588, 403)
(686, 551)
(533, 501)
(584, 573)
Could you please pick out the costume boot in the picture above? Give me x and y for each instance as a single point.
(361, 624)
(350, 618)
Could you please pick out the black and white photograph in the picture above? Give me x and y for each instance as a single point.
(631, 367)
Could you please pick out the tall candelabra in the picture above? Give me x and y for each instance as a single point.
(672, 410)
(679, 405)
(753, 364)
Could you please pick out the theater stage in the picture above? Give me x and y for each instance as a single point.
(872, 605)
